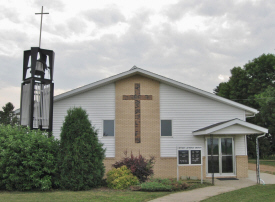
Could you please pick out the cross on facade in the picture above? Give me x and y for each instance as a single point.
(137, 97)
(40, 24)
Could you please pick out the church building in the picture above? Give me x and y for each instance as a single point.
(145, 113)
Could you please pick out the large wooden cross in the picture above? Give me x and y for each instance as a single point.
(137, 97)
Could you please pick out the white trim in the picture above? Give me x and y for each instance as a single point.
(245, 142)
(258, 129)
(134, 71)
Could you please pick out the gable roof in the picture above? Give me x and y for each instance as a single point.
(212, 126)
(138, 71)
(219, 128)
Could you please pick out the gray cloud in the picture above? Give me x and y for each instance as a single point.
(214, 8)
(9, 13)
(66, 29)
(49, 5)
(76, 25)
(104, 17)
(178, 10)
(11, 71)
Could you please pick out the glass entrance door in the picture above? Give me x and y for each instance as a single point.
(221, 161)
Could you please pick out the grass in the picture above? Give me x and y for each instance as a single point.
(263, 162)
(253, 193)
(95, 195)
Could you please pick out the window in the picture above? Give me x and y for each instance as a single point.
(166, 127)
(108, 128)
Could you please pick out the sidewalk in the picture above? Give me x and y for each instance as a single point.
(220, 187)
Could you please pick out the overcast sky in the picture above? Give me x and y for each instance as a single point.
(195, 42)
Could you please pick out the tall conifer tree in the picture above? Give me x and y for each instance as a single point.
(81, 155)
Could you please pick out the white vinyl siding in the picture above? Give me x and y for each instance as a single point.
(190, 112)
(99, 104)
(240, 145)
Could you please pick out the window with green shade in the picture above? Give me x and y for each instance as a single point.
(166, 128)
(108, 128)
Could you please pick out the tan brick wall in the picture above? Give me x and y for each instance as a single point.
(242, 166)
(108, 164)
(125, 118)
(167, 167)
(150, 129)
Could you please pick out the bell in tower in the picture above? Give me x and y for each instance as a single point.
(37, 87)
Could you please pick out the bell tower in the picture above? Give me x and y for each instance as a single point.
(37, 88)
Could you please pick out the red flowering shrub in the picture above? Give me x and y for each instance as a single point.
(141, 167)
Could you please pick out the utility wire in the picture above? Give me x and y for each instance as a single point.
(255, 98)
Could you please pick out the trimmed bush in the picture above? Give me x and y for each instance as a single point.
(81, 155)
(176, 185)
(121, 178)
(155, 186)
(139, 166)
(158, 184)
(27, 159)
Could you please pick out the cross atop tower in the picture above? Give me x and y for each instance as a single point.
(41, 24)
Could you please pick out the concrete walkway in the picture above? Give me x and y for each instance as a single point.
(220, 187)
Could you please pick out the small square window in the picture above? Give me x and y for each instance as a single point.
(108, 128)
(166, 127)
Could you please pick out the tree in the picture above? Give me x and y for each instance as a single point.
(248, 86)
(236, 88)
(7, 116)
(266, 101)
(81, 155)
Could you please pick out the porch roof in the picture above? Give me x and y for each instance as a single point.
(231, 127)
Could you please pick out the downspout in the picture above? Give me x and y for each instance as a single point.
(258, 161)
(249, 116)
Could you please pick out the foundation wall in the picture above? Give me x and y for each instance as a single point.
(167, 168)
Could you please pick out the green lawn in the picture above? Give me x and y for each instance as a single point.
(95, 195)
(263, 162)
(253, 193)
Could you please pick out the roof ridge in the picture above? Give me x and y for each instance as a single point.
(134, 67)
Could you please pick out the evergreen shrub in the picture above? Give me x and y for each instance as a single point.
(81, 154)
(157, 184)
(121, 178)
(141, 167)
(28, 159)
